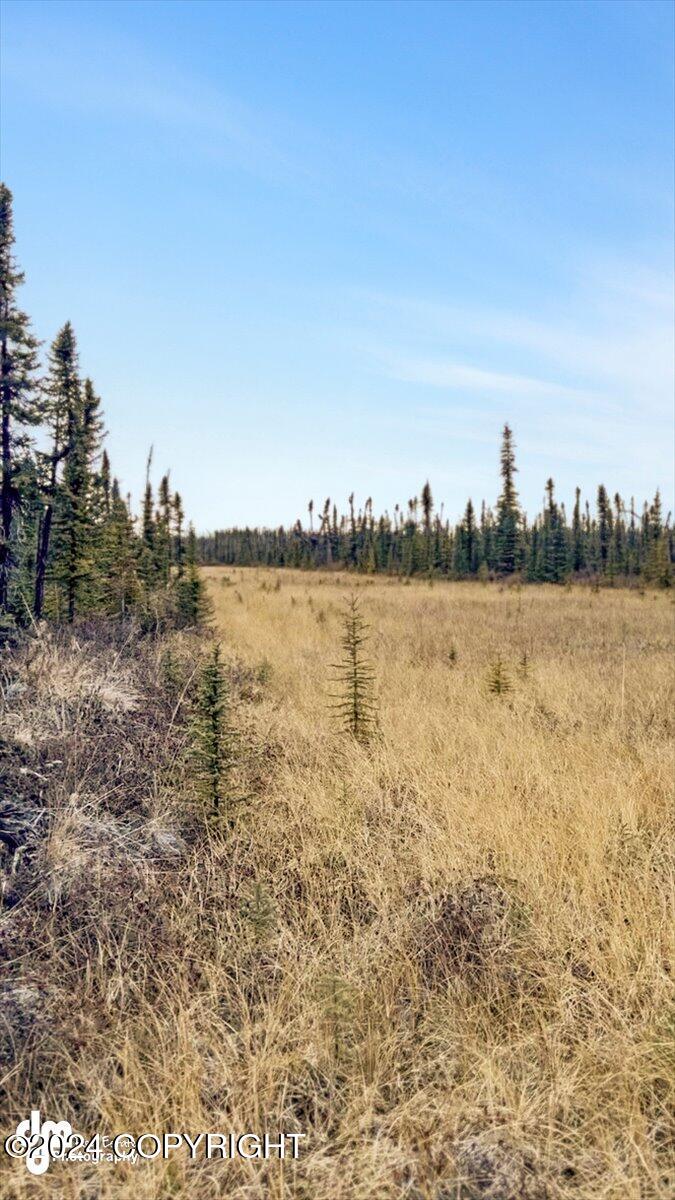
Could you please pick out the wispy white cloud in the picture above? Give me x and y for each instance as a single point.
(463, 377)
(116, 79)
(609, 340)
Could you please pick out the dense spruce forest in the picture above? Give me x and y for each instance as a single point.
(69, 543)
(614, 544)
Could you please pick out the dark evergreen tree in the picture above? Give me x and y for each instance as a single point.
(552, 565)
(163, 548)
(105, 483)
(657, 549)
(355, 704)
(507, 509)
(62, 401)
(19, 400)
(191, 595)
(179, 518)
(118, 558)
(604, 527)
(148, 530)
(213, 739)
(75, 535)
(427, 510)
(578, 558)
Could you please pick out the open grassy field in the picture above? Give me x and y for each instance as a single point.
(442, 957)
(470, 926)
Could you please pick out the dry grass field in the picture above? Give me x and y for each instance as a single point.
(443, 957)
(486, 889)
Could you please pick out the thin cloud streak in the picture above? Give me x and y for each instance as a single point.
(461, 376)
(618, 343)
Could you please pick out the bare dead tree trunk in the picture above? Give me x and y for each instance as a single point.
(41, 560)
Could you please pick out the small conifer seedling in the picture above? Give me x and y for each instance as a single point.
(213, 742)
(499, 682)
(355, 706)
(258, 910)
(337, 1003)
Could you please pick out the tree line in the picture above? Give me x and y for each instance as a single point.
(614, 543)
(69, 542)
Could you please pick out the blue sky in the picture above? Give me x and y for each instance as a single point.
(314, 248)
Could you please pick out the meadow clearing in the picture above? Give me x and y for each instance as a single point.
(471, 916)
(443, 957)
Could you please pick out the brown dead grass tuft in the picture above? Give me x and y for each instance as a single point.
(470, 932)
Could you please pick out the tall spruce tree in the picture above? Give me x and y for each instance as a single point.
(553, 563)
(578, 558)
(427, 510)
(191, 599)
(163, 538)
(604, 527)
(507, 508)
(62, 401)
(148, 529)
(75, 533)
(105, 483)
(657, 557)
(20, 402)
(117, 558)
(179, 518)
(466, 544)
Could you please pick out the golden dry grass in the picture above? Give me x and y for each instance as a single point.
(563, 788)
(458, 984)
